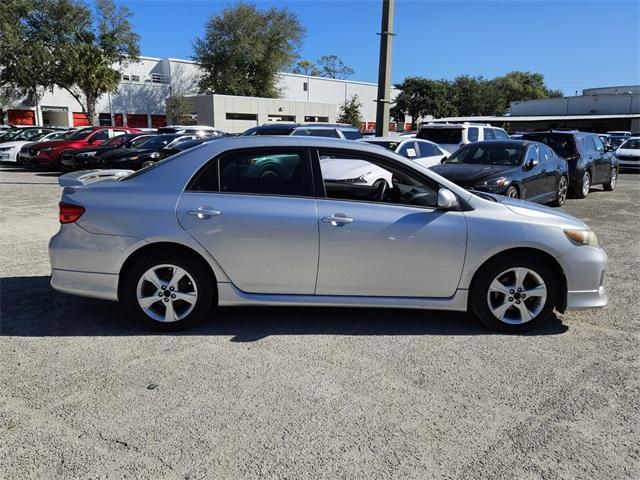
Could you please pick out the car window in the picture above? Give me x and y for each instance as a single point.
(408, 150)
(364, 178)
(351, 134)
(631, 144)
(488, 154)
(545, 153)
(445, 136)
(472, 134)
(274, 172)
(532, 154)
(562, 143)
(101, 135)
(598, 143)
(488, 134)
(500, 135)
(316, 132)
(427, 150)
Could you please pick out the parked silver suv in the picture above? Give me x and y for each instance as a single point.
(452, 136)
(252, 221)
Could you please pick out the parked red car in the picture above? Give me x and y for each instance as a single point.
(47, 154)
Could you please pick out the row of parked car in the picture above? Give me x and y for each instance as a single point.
(543, 167)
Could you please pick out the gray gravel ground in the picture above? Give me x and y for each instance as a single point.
(312, 393)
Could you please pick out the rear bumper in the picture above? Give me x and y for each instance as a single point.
(86, 284)
(585, 269)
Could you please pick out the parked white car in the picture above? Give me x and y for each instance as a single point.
(423, 152)
(9, 150)
(628, 154)
(452, 136)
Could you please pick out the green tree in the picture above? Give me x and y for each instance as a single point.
(88, 70)
(36, 37)
(178, 106)
(420, 97)
(330, 66)
(518, 86)
(306, 67)
(350, 111)
(244, 48)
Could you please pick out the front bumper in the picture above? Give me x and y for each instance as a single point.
(585, 269)
(79, 163)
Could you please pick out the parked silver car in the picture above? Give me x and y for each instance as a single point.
(250, 221)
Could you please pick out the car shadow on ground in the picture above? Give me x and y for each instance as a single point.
(29, 307)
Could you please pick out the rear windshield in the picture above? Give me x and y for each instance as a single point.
(351, 134)
(563, 144)
(441, 135)
(267, 131)
(390, 145)
(488, 154)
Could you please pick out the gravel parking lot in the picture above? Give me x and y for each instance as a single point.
(312, 393)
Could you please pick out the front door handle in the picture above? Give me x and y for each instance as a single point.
(337, 220)
(204, 211)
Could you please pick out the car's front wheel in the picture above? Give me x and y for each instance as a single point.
(513, 294)
(613, 179)
(512, 192)
(168, 292)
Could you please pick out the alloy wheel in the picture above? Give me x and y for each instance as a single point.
(586, 183)
(517, 295)
(166, 293)
(563, 187)
(512, 192)
(613, 179)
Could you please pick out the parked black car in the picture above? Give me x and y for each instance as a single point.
(590, 163)
(87, 158)
(515, 168)
(182, 145)
(144, 154)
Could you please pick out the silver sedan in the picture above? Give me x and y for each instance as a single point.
(251, 221)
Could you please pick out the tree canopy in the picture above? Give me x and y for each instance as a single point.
(244, 48)
(466, 95)
(350, 111)
(329, 66)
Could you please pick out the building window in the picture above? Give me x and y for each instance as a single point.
(242, 116)
(125, 77)
(135, 78)
(158, 78)
(305, 86)
(104, 119)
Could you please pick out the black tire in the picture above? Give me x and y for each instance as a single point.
(146, 163)
(580, 191)
(479, 302)
(512, 192)
(561, 192)
(205, 285)
(610, 185)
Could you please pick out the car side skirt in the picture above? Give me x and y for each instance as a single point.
(229, 295)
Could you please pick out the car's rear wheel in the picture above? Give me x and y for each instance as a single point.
(582, 189)
(561, 192)
(613, 179)
(168, 292)
(513, 294)
(512, 192)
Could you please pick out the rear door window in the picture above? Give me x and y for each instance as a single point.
(268, 172)
(427, 150)
(472, 134)
(488, 134)
(408, 150)
(100, 135)
(500, 135)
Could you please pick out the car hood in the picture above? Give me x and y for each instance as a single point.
(469, 173)
(53, 144)
(536, 210)
(124, 153)
(17, 143)
(342, 169)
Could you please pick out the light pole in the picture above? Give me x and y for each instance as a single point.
(384, 69)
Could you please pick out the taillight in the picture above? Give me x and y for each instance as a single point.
(70, 213)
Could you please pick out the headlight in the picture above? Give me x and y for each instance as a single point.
(87, 154)
(48, 149)
(155, 155)
(6, 149)
(582, 237)
(494, 182)
(135, 157)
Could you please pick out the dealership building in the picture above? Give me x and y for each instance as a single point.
(140, 101)
(596, 110)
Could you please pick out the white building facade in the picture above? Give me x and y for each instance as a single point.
(145, 85)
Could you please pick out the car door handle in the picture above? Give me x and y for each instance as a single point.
(204, 212)
(337, 220)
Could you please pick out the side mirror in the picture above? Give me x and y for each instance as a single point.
(91, 140)
(447, 200)
(530, 163)
(444, 159)
(608, 147)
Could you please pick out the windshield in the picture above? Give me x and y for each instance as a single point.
(562, 143)
(615, 142)
(488, 154)
(156, 141)
(389, 145)
(441, 135)
(80, 134)
(631, 144)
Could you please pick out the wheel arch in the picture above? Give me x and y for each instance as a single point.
(161, 247)
(548, 258)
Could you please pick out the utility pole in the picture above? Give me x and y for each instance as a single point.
(384, 69)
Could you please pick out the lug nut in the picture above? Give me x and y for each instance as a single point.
(166, 299)
(511, 292)
(173, 295)
(164, 287)
(159, 294)
(171, 288)
(518, 302)
(511, 299)
(519, 290)
(523, 295)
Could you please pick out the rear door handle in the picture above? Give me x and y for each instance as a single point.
(204, 212)
(337, 220)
